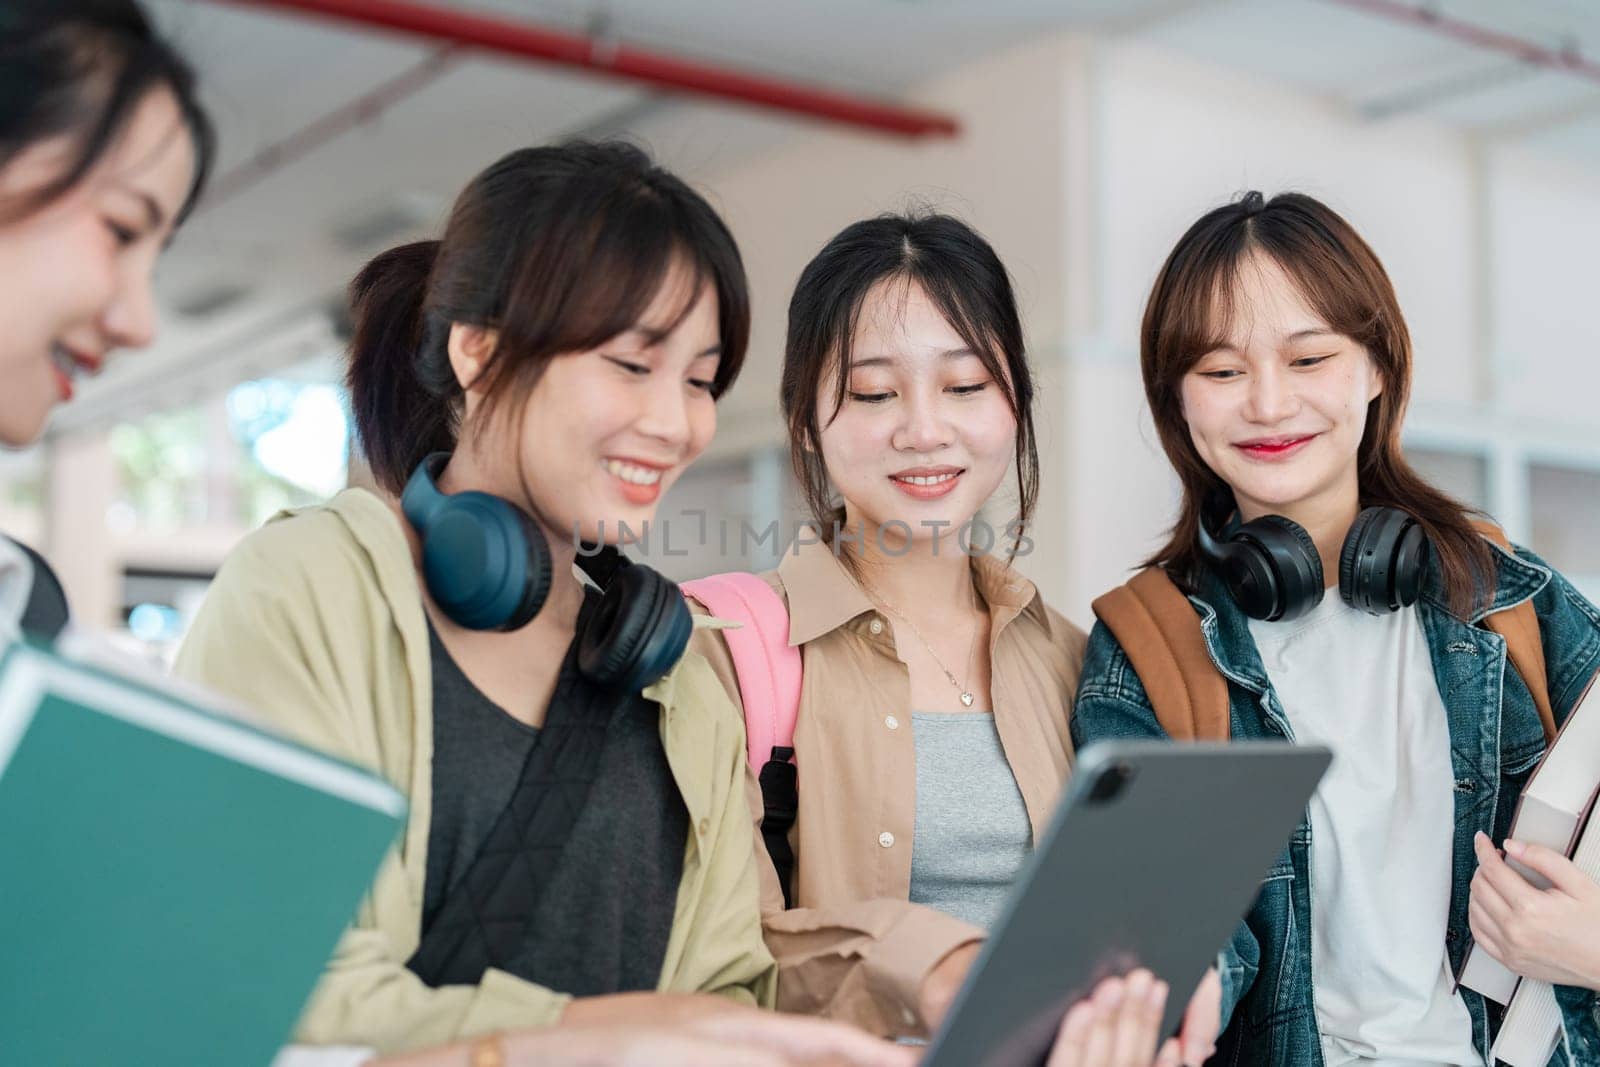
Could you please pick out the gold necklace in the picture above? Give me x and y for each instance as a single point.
(966, 696)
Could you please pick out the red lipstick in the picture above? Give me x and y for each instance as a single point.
(1273, 448)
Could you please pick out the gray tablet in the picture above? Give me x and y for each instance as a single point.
(1152, 859)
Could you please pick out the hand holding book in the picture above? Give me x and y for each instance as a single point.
(1550, 934)
(1535, 913)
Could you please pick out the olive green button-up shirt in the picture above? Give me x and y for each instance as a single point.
(316, 621)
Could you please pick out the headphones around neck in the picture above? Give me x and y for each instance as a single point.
(1273, 571)
(487, 565)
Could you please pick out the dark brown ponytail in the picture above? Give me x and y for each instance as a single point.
(402, 390)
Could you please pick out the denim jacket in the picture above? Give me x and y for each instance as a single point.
(1495, 741)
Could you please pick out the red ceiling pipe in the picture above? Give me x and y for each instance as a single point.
(589, 53)
(1569, 60)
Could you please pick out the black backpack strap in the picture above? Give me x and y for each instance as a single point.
(44, 611)
(780, 803)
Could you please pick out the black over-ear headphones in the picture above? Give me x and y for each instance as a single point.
(487, 565)
(1273, 571)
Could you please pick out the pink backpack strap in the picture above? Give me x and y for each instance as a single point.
(768, 668)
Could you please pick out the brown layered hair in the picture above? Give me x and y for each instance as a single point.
(1189, 314)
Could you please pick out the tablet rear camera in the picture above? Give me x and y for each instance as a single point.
(1109, 783)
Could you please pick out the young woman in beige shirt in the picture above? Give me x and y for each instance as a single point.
(908, 396)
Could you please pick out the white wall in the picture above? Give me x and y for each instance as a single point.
(1546, 329)
(1005, 175)
(1180, 138)
(1175, 138)
(1084, 160)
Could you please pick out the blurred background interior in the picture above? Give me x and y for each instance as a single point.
(1461, 137)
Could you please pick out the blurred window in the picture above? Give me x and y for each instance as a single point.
(1463, 475)
(263, 446)
(22, 493)
(1565, 507)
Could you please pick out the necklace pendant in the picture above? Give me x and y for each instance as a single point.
(966, 699)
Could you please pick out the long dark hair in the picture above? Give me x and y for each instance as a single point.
(560, 248)
(963, 278)
(81, 68)
(1341, 278)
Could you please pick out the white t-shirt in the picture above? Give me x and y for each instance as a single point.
(1382, 827)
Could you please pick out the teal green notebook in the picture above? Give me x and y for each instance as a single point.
(172, 881)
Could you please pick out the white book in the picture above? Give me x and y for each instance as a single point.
(1554, 806)
(1532, 1024)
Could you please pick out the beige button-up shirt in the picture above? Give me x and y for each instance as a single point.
(854, 947)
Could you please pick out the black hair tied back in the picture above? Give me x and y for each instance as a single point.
(80, 69)
(396, 356)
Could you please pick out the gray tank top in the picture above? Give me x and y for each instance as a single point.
(972, 829)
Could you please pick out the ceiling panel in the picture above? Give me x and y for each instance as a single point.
(412, 160)
(266, 75)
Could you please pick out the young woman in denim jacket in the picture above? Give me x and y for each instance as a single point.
(1277, 367)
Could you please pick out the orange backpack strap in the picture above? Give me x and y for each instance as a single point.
(1159, 631)
(1519, 625)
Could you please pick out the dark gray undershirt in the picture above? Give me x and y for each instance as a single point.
(478, 753)
(605, 832)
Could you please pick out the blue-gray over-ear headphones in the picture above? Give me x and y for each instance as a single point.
(487, 565)
(1274, 573)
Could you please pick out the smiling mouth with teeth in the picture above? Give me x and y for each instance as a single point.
(71, 365)
(934, 479)
(64, 361)
(632, 474)
(67, 369)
